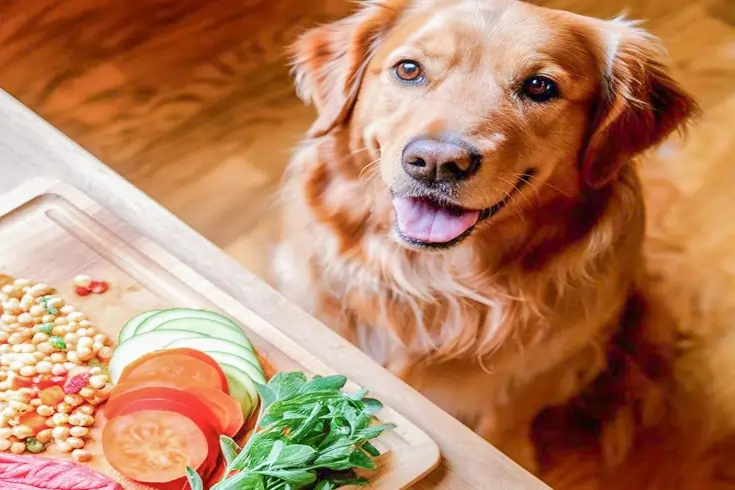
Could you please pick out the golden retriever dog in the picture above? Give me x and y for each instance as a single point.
(466, 208)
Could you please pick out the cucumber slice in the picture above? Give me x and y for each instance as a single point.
(128, 329)
(154, 321)
(219, 345)
(206, 327)
(254, 372)
(137, 346)
(242, 389)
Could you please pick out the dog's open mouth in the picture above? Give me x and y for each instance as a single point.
(423, 221)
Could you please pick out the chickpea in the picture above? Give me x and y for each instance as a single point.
(45, 347)
(44, 436)
(85, 409)
(60, 433)
(45, 411)
(76, 316)
(63, 446)
(105, 353)
(78, 431)
(81, 456)
(28, 371)
(75, 442)
(55, 302)
(5, 433)
(37, 310)
(5, 444)
(25, 319)
(85, 353)
(22, 431)
(44, 367)
(58, 369)
(86, 392)
(98, 381)
(17, 448)
(73, 400)
(81, 420)
(58, 357)
(66, 309)
(60, 419)
(63, 408)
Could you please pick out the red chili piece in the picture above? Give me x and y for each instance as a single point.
(82, 291)
(99, 287)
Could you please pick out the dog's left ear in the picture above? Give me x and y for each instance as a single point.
(640, 104)
(329, 61)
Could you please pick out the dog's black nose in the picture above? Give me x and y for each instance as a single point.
(431, 160)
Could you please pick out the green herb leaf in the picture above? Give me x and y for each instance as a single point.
(370, 449)
(326, 383)
(298, 478)
(229, 449)
(195, 481)
(296, 455)
(359, 394)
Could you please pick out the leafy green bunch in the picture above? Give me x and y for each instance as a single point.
(309, 435)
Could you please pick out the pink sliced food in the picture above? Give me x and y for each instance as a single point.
(427, 222)
(36, 473)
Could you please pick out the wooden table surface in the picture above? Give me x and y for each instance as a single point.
(30, 148)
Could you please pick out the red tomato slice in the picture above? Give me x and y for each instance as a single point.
(181, 351)
(155, 445)
(171, 365)
(202, 414)
(223, 406)
(203, 356)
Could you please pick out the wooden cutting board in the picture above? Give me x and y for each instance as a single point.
(51, 232)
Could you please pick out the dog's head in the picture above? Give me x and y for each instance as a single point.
(474, 107)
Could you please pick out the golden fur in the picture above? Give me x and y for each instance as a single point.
(546, 302)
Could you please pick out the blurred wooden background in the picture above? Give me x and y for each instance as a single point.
(191, 101)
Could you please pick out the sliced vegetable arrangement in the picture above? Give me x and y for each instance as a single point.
(309, 435)
(228, 352)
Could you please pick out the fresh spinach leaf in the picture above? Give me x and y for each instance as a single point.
(309, 435)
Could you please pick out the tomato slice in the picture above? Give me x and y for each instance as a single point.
(180, 351)
(203, 415)
(203, 356)
(223, 406)
(153, 444)
(172, 365)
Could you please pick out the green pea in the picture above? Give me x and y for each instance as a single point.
(58, 342)
(47, 327)
(33, 445)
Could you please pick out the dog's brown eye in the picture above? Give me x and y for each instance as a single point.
(408, 71)
(540, 89)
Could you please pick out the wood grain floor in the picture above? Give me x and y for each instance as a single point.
(191, 101)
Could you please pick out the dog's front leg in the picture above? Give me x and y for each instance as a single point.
(514, 441)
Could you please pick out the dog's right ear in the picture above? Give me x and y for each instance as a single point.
(329, 61)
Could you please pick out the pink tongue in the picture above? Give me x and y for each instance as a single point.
(422, 221)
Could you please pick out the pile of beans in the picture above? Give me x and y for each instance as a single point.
(52, 371)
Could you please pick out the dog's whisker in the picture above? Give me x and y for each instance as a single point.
(514, 193)
(544, 183)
